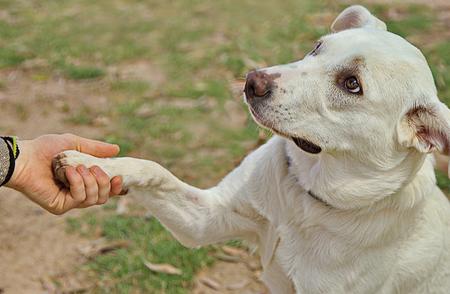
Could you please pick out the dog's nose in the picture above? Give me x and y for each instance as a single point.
(258, 85)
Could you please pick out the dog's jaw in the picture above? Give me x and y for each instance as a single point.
(301, 143)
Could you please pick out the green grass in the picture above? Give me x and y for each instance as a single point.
(123, 270)
(73, 225)
(83, 116)
(21, 111)
(202, 46)
(83, 72)
(126, 144)
(439, 58)
(78, 72)
(417, 18)
(135, 87)
(10, 57)
(443, 181)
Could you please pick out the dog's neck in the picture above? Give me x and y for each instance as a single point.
(344, 183)
(310, 193)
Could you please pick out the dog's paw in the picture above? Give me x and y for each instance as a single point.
(69, 158)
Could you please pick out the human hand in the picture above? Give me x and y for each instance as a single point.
(33, 173)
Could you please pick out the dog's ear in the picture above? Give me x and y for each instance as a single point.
(356, 16)
(426, 128)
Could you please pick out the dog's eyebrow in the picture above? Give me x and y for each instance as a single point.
(358, 60)
(352, 65)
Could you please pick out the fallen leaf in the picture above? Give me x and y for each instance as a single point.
(253, 265)
(101, 246)
(163, 268)
(211, 283)
(227, 258)
(233, 251)
(238, 285)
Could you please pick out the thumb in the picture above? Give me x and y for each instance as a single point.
(93, 147)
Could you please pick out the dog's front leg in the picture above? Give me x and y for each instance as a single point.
(196, 217)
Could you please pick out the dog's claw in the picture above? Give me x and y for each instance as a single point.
(124, 191)
(59, 169)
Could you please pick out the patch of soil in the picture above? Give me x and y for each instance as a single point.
(139, 70)
(238, 275)
(31, 107)
(34, 245)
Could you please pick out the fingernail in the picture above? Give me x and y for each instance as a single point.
(95, 169)
(83, 170)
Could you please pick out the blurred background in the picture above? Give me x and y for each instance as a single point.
(162, 79)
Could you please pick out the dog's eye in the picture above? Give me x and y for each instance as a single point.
(316, 48)
(352, 85)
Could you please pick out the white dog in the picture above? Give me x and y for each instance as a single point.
(343, 199)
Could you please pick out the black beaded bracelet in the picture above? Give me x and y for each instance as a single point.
(9, 152)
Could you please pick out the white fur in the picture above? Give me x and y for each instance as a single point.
(386, 225)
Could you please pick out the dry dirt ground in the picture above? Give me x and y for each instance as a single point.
(34, 245)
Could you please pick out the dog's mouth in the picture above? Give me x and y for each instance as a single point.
(303, 144)
(306, 145)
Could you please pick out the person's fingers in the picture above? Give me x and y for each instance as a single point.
(90, 186)
(92, 147)
(116, 186)
(76, 185)
(103, 184)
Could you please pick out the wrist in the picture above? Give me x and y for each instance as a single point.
(19, 176)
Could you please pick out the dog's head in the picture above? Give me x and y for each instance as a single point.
(361, 91)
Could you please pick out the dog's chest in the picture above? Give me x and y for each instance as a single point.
(318, 262)
(318, 251)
